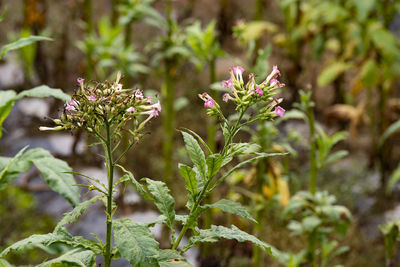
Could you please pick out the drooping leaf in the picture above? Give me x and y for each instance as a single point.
(44, 91)
(135, 243)
(76, 213)
(190, 178)
(21, 43)
(138, 186)
(54, 172)
(392, 129)
(331, 72)
(171, 258)
(231, 206)
(76, 257)
(163, 200)
(213, 162)
(195, 152)
(215, 233)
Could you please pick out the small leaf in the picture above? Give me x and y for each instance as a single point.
(54, 172)
(7, 99)
(190, 178)
(369, 73)
(21, 43)
(163, 200)
(231, 206)
(74, 215)
(331, 72)
(135, 243)
(336, 156)
(213, 162)
(138, 186)
(393, 128)
(394, 178)
(44, 91)
(76, 257)
(9, 172)
(217, 232)
(195, 152)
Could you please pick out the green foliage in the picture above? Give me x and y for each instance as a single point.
(231, 206)
(390, 231)
(171, 258)
(163, 200)
(76, 257)
(135, 242)
(8, 98)
(196, 154)
(22, 43)
(331, 72)
(190, 179)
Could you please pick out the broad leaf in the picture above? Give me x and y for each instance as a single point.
(76, 257)
(217, 232)
(231, 206)
(74, 215)
(135, 243)
(190, 178)
(171, 258)
(195, 152)
(331, 72)
(54, 173)
(44, 91)
(21, 43)
(27, 243)
(163, 200)
(213, 165)
(8, 172)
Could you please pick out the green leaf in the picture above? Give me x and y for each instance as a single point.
(195, 152)
(213, 162)
(7, 173)
(231, 206)
(336, 156)
(135, 243)
(7, 99)
(390, 231)
(138, 186)
(4, 263)
(217, 232)
(190, 178)
(21, 43)
(27, 243)
(54, 172)
(364, 8)
(331, 72)
(163, 200)
(394, 178)
(76, 257)
(2, 16)
(385, 41)
(370, 73)
(393, 128)
(44, 91)
(171, 258)
(74, 215)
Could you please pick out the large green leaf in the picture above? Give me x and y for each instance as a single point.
(76, 257)
(74, 215)
(44, 91)
(163, 200)
(195, 152)
(21, 43)
(190, 178)
(331, 72)
(54, 172)
(215, 233)
(213, 165)
(171, 258)
(231, 206)
(135, 243)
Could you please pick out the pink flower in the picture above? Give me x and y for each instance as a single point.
(209, 103)
(274, 73)
(155, 113)
(259, 91)
(279, 111)
(228, 83)
(92, 98)
(73, 103)
(68, 107)
(238, 70)
(226, 97)
(275, 82)
(131, 110)
(138, 94)
(80, 80)
(149, 101)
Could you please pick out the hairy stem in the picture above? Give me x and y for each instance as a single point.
(110, 176)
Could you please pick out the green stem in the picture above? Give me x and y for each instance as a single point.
(110, 176)
(313, 154)
(201, 195)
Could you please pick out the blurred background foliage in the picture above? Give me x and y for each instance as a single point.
(342, 134)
